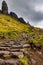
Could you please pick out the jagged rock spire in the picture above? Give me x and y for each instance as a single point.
(4, 7)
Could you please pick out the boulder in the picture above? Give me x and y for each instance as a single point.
(33, 61)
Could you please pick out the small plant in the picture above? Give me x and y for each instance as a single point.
(24, 60)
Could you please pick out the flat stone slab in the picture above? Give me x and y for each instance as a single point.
(10, 62)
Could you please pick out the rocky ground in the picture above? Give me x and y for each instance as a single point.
(12, 51)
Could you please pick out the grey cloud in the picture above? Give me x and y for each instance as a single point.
(37, 16)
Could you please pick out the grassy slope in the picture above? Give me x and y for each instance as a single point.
(11, 29)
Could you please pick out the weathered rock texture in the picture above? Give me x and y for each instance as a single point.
(4, 8)
(11, 51)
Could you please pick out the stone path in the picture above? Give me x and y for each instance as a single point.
(10, 53)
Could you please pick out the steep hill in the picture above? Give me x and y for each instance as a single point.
(11, 28)
(20, 43)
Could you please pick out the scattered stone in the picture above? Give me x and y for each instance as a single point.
(4, 48)
(11, 50)
(26, 45)
(17, 46)
(10, 62)
(17, 54)
(40, 53)
(33, 62)
(1, 55)
(7, 56)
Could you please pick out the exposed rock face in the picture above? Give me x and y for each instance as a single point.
(21, 20)
(13, 15)
(4, 8)
(16, 17)
(12, 52)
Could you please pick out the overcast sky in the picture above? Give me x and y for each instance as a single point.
(30, 10)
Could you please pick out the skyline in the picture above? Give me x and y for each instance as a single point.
(30, 10)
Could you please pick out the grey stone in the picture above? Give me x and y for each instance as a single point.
(4, 8)
(33, 61)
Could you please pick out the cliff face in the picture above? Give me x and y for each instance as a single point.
(4, 8)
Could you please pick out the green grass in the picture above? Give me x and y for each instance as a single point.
(9, 24)
(24, 60)
(11, 28)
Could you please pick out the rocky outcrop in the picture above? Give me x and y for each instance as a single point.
(4, 8)
(21, 20)
(12, 52)
(0, 11)
(12, 14)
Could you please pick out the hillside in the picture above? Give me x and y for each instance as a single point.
(20, 43)
(11, 28)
